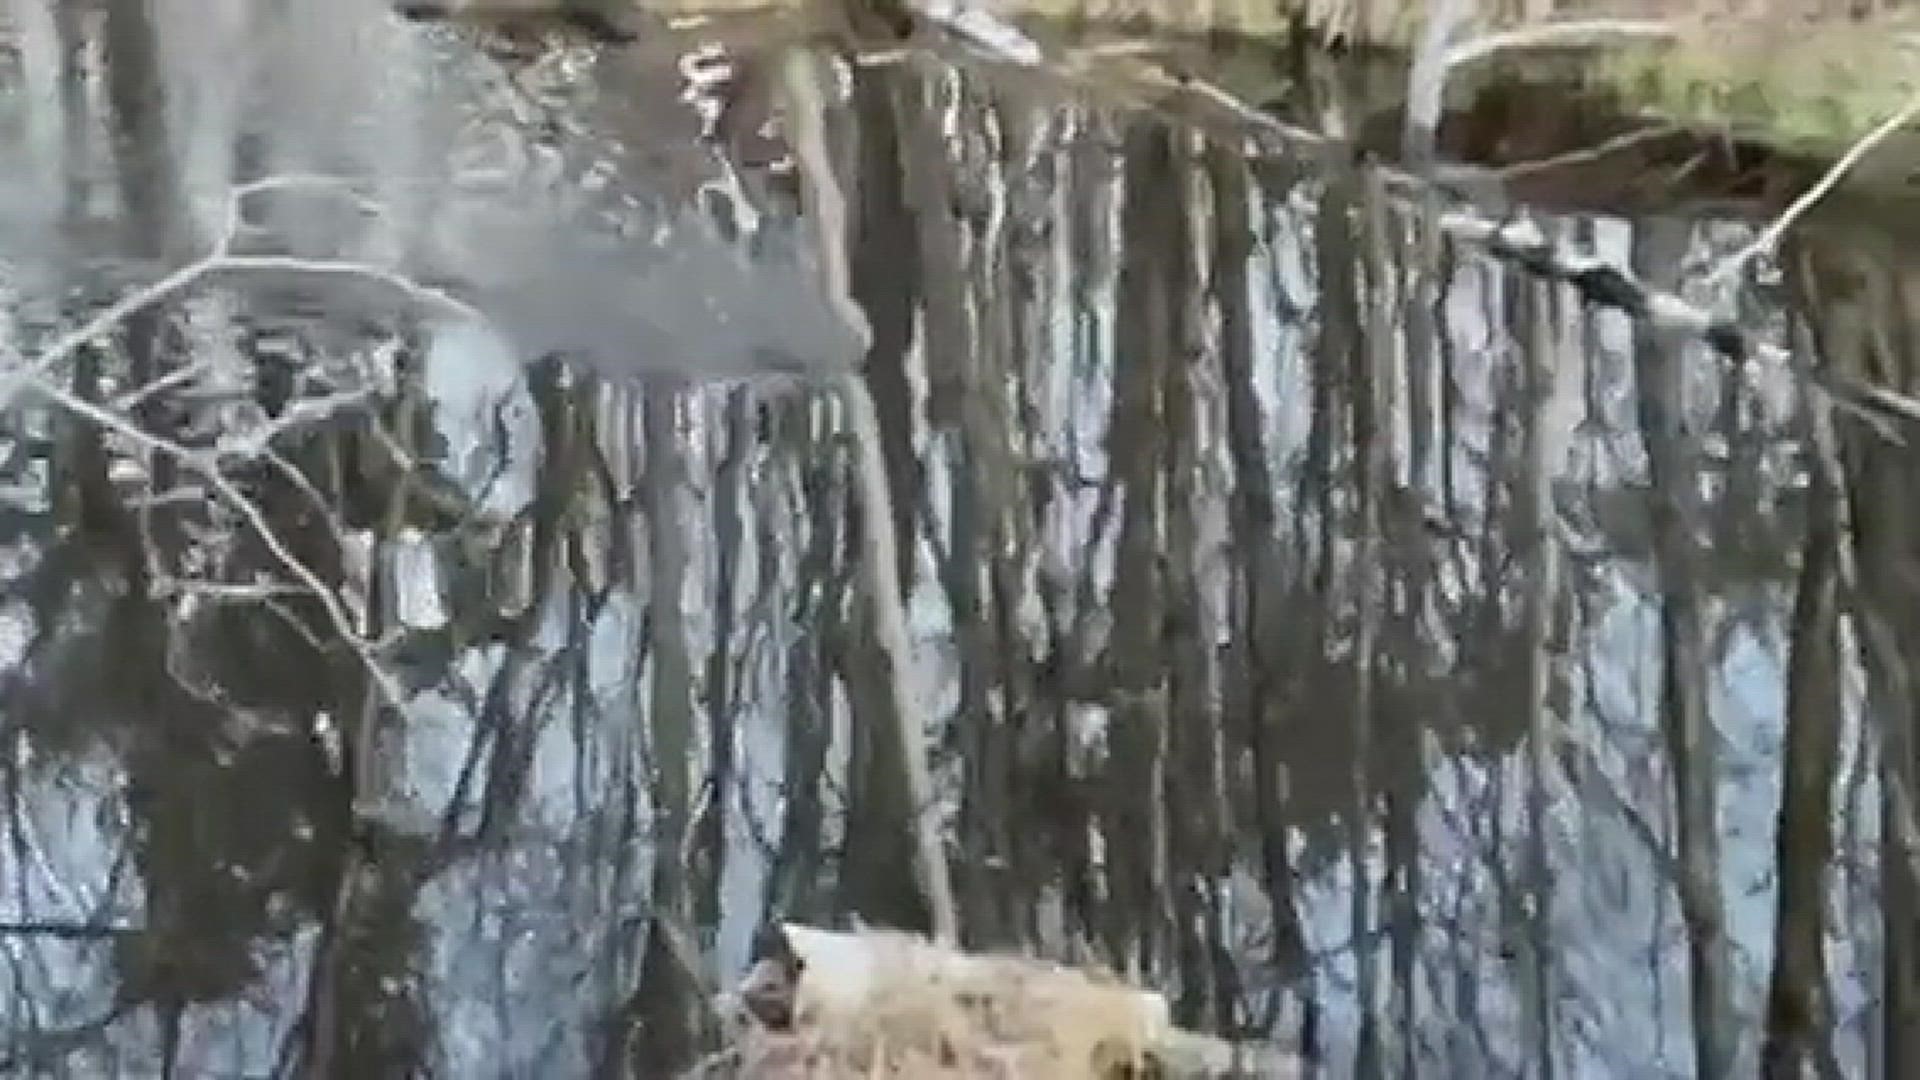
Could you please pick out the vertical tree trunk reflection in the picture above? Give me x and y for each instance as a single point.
(1661, 382)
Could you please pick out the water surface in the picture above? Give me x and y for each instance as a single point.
(1369, 645)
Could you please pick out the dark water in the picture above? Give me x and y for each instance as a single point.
(1367, 644)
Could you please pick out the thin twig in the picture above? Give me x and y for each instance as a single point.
(1585, 155)
(344, 268)
(1770, 236)
(108, 320)
(179, 376)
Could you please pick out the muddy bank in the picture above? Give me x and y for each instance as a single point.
(1795, 87)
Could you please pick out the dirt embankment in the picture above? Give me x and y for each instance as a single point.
(1805, 78)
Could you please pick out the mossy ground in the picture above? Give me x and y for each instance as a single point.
(1802, 85)
(1805, 77)
(1792, 76)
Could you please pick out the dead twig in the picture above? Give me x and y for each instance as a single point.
(1770, 236)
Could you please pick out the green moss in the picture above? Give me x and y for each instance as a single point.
(1813, 94)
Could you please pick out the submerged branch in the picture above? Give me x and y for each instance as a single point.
(32, 374)
(1599, 283)
(220, 258)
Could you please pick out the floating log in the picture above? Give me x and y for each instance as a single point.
(821, 1004)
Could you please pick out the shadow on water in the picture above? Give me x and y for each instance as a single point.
(1329, 624)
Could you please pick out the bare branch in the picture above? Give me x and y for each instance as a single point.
(205, 465)
(180, 376)
(1585, 155)
(221, 258)
(255, 440)
(70, 931)
(346, 268)
(1427, 79)
(225, 592)
(105, 322)
(249, 443)
(1770, 236)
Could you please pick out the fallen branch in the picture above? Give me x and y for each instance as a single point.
(1585, 155)
(1427, 80)
(982, 31)
(1522, 243)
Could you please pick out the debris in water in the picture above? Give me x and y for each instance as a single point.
(820, 1004)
